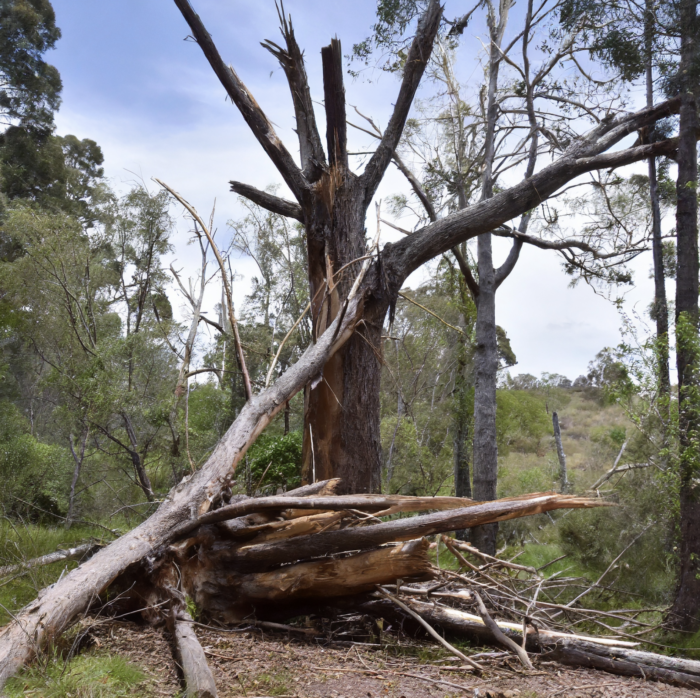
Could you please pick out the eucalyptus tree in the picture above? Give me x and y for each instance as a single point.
(686, 607)
(330, 199)
(30, 88)
(88, 301)
(511, 124)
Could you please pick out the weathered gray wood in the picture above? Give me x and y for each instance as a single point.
(573, 652)
(199, 682)
(58, 606)
(57, 556)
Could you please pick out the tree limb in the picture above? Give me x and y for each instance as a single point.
(405, 256)
(313, 159)
(507, 267)
(250, 110)
(416, 62)
(268, 201)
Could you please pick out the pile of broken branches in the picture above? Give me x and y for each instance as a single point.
(310, 552)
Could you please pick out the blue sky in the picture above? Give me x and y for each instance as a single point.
(151, 101)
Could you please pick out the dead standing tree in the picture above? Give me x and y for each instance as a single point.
(342, 411)
(331, 203)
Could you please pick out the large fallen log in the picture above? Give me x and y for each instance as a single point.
(58, 606)
(596, 653)
(228, 596)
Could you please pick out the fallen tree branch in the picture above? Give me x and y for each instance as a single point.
(501, 637)
(70, 554)
(441, 640)
(199, 681)
(267, 555)
(58, 606)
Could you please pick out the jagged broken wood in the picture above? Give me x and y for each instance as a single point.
(58, 606)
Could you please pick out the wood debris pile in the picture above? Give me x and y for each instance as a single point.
(310, 552)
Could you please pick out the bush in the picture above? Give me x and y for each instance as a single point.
(283, 456)
(33, 476)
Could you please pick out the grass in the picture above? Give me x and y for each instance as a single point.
(22, 542)
(86, 676)
(277, 684)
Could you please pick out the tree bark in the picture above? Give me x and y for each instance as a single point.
(486, 353)
(463, 486)
(485, 373)
(660, 302)
(199, 681)
(685, 613)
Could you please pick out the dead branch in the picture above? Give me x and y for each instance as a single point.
(227, 288)
(191, 658)
(500, 636)
(440, 639)
(76, 553)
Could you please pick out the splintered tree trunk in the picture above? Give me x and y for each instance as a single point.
(341, 411)
(685, 613)
(485, 373)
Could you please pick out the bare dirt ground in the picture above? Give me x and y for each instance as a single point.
(258, 663)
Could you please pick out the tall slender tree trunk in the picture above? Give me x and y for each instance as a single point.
(463, 486)
(485, 374)
(660, 302)
(685, 613)
(486, 354)
(78, 465)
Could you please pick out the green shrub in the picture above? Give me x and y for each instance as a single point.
(33, 476)
(283, 456)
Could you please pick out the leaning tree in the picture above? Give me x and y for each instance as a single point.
(353, 287)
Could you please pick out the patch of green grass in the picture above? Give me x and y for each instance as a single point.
(21, 542)
(277, 684)
(86, 676)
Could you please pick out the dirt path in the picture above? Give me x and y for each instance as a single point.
(261, 664)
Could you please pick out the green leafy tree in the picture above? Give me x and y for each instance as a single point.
(30, 87)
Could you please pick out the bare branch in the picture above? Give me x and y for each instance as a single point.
(268, 201)
(227, 288)
(250, 110)
(313, 159)
(511, 260)
(417, 60)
